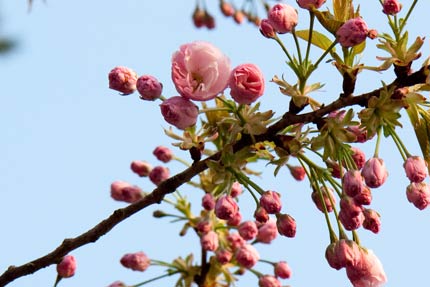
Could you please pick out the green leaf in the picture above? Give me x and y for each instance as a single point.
(318, 39)
(422, 131)
(328, 21)
(358, 49)
(343, 10)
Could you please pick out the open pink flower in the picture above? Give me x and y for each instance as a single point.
(200, 71)
(246, 83)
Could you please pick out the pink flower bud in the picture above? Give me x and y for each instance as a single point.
(335, 168)
(268, 281)
(223, 256)
(363, 198)
(163, 154)
(226, 207)
(261, 215)
(308, 4)
(236, 189)
(123, 191)
(352, 32)
(327, 199)
(209, 241)
(350, 206)
(298, 172)
(266, 29)
(352, 183)
(351, 222)
(367, 270)
(235, 240)
(248, 230)
(416, 168)
(246, 83)
(199, 17)
(271, 202)
(238, 16)
(122, 79)
(136, 261)
(200, 71)
(359, 157)
(141, 168)
(283, 18)
(149, 87)
(209, 21)
(117, 284)
(159, 174)
(67, 267)
(247, 256)
(226, 9)
(360, 133)
(179, 112)
(374, 172)
(267, 232)
(372, 220)
(235, 220)
(418, 194)
(208, 201)
(391, 7)
(282, 270)
(342, 253)
(204, 226)
(286, 225)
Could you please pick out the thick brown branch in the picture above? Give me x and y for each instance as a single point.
(174, 182)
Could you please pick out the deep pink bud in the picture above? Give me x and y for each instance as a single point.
(342, 253)
(268, 281)
(350, 206)
(351, 222)
(235, 240)
(209, 20)
(352, 32)
(391, 7)
(235, 220)
(180, 112)
(286, 225)
(209, 241)
(367, 270)
(359, 157)
(236, 189)
(360, 133)
(298, 172)
(159, 174)
(200, 71)
(136, 261)
(283, 18)
(247, 256)
(204, 226)
(352, 183)
(372, 220)
(374, 172)
(122, 79)
(117, 284)
(261, 215)
(416, 168)
(123, 191)
(363, 198)
(223, 256)
(149, 87)
(67, 267)
(283, 270)
(335, 168)
(199, 17)
(226, 207)
(163, 153)
(418, 194)
(271, 202)
(141, 168)
(266, 29)
(327, 199)
(208, 201)
(308, 4)
(246, 83)
(267, 232)
(248, 230)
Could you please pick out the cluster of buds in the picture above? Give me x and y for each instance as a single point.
(417, 192)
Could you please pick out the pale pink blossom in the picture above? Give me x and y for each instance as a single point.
(247, 256)
(374, 172)
(352, 32)
(246, 83)
(136, 261)
(149, 87)
(391, 7)
(180, 112)
(140, 167)
(209, 241)
(122, 79)
(416, 168)
(367, 270)
(268, 281)
(226, 207)
(163, 154)
(267, 232)
(248, 230)
(308, 4)
(283, 18)
(271, 202)
(159, 174)
(67, 266)
(418, 194)
(200, 71)
(282, 270)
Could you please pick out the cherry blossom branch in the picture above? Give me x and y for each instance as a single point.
(171, 184)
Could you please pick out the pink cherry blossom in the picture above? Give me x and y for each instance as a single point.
(359, 157)
(416, 168)
(159, 174)
(163, 154)
(266, 29)
(367, 270)
(352, 32)
(223, 256)
(149, 87)
(268, 281)
(179, 112)
(327, 199)
(391, 7)
(352, 182)
(248, 230)
(136, 261)
(372, 220)
(298, 172)
(374, 172)
(418, 194)
(261, 215)
(283, 18)
(226, 207)
(67, 267)
(141, 168)
(307, 4)
(208, 201)
(286, 225)
(236, 189)
(246, 83)
(122, 79)
(282, 270)
(123, 191)
(247, 256)
(235, 240)
(271, 201)
(209, 241)
(267, 232)
(200, 71)
(342, 253)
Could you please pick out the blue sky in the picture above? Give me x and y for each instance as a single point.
(66, 137)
